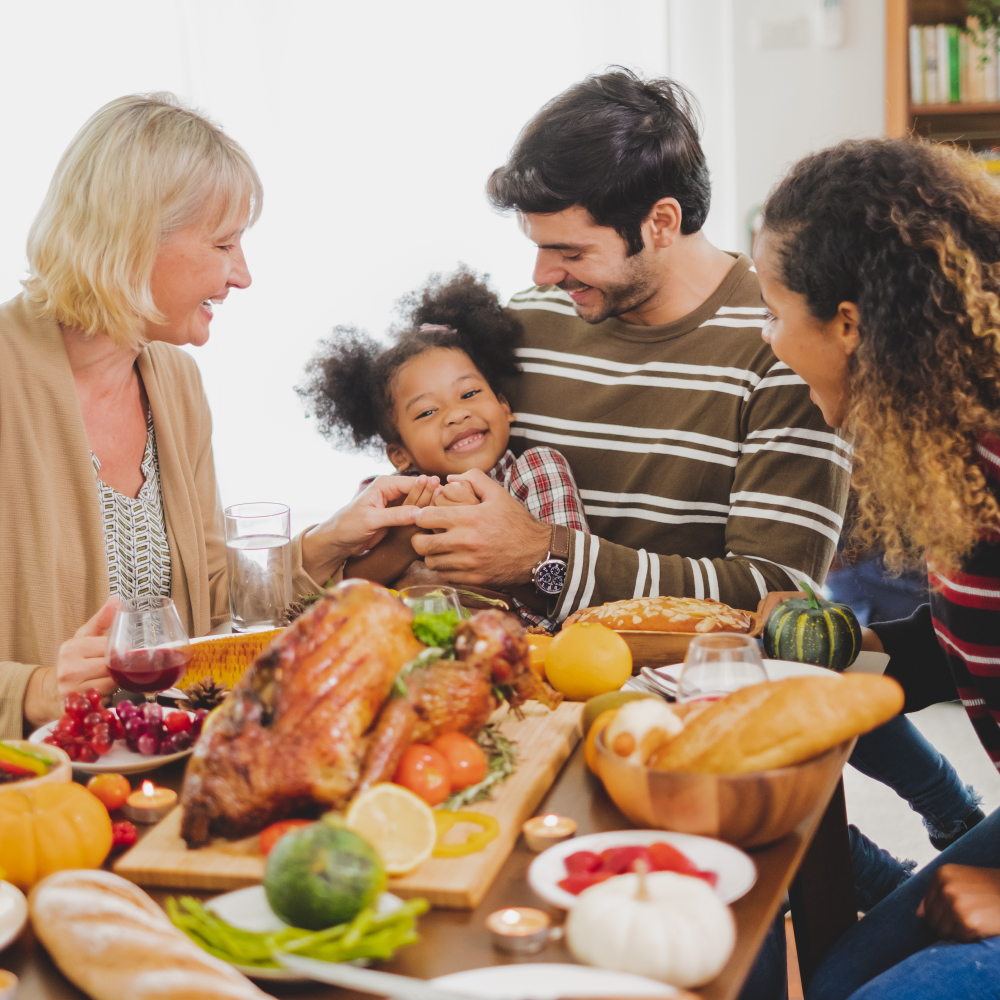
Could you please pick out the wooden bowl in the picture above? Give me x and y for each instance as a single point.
(747, 810)
(62, 769)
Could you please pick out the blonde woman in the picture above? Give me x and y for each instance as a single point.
(880, 264)
(107, 482)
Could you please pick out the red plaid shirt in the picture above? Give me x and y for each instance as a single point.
(541, 481)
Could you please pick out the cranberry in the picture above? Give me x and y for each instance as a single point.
(177, 722)
(76, 705)
(94, 697)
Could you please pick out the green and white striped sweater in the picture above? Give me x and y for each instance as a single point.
(705, 468)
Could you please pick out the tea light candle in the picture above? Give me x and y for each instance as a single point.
(519, 928)
(149, 804)
(542, 832)
(8, 985)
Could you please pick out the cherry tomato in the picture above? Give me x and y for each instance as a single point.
(177, 722)
(425, 772)
(465, 758)
(111, 789)
(270, 835)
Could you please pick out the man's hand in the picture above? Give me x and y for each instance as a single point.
(82, 664)
(963, 903)
(457, 494)
(494, 543)
(360, 525)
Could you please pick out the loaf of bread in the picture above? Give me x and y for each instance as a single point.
(113, 942)
(780, 723)
(665, 614)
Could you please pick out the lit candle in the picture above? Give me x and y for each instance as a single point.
(519, 928)
(149, 804)
(542, 832)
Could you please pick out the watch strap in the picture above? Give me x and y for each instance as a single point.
(559, 543)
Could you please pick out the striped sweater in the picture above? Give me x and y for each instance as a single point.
(705, 469)
(951, 647)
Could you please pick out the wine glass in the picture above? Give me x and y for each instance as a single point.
(148, 648)
(432, 600)
(719, 664)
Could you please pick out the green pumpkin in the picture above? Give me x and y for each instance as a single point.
(812, 630)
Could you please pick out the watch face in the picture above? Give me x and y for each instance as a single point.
(550, 576)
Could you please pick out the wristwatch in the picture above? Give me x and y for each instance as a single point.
(549, 575)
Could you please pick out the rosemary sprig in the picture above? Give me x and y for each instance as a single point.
(501, 754)
(424, 659)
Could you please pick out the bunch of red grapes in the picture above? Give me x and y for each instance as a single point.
(88, 731)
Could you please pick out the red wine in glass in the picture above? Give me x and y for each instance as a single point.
(149, 670)
(148, 649)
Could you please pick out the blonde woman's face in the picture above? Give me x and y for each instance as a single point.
(193, 272)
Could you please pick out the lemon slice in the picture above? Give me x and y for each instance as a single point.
(398, 824)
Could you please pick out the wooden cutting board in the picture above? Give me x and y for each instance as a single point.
(545, 740)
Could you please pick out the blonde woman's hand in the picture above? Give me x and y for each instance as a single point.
(82, 663)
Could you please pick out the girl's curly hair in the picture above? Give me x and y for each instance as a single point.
(909, 231)
(350, 379)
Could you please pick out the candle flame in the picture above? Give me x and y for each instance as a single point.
(511, 917)
(551, 820)
(148, 788)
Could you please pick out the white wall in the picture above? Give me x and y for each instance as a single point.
(374, 127)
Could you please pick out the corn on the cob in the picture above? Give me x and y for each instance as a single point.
(225, 657)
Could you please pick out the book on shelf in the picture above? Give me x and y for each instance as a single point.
(952, 65)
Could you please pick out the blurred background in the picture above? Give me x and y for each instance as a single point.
(374, 128)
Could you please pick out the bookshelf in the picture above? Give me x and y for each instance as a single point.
(975, 126)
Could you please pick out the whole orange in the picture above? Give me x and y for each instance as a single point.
(590, 746)
(111, 789)
(587, 659)
(539, 646)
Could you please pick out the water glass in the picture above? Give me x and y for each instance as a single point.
(432, 600)
(148, 647)
(259, 564)
(719, 664)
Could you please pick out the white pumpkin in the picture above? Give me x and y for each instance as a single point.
(681, 933)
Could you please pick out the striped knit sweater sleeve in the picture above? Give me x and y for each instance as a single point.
(705, 469)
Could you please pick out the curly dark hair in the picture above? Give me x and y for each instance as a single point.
(350, 379)
(613, 144)
(909, 231)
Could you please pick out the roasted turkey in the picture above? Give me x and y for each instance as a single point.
(315, 719)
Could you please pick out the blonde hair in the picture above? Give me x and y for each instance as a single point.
(141, 168)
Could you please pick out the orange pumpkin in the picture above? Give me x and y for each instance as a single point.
(51, 827)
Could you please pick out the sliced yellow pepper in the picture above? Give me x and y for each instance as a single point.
(445, 820)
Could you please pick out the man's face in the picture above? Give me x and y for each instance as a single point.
(588, 262)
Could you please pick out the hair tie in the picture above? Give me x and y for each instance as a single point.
(436, 328)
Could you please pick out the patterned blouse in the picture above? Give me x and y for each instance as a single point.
(135, 531)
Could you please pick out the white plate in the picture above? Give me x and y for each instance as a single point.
(779, 670)
(549, 981)
(13, 913)
(737, 873)
(119, 759)
(248, 910)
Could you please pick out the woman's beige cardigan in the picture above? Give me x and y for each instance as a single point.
(53, 565)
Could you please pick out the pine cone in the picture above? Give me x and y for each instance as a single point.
(297, 608)
(206, 693)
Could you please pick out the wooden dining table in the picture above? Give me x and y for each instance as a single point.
(811, 865)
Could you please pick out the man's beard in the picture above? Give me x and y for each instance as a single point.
(618, 298)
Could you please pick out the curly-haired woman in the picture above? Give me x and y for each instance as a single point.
(879, 261)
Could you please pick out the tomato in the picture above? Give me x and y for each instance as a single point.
(465, 758)
(425, 772)
(272, 834)
(111, 789)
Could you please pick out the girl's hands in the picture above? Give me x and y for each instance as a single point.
(422, 494)
(963, 903)
(458, 493)
(82, 663)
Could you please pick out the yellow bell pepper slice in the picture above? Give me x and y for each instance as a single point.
(445, 820)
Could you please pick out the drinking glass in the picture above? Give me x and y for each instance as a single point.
(148, 648)
(432, 600)
(259, 564)
(717, 665)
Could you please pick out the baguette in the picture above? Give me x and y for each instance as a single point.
(780, 723)
(113, 942)
(666, 614)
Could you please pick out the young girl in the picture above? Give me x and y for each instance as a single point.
(432, 399)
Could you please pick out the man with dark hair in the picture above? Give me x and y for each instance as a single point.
(705, 468)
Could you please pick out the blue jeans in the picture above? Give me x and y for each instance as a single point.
(873, 595)
(891, 954)
(898, 755)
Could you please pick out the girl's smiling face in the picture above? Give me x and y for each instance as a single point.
(448, 418)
